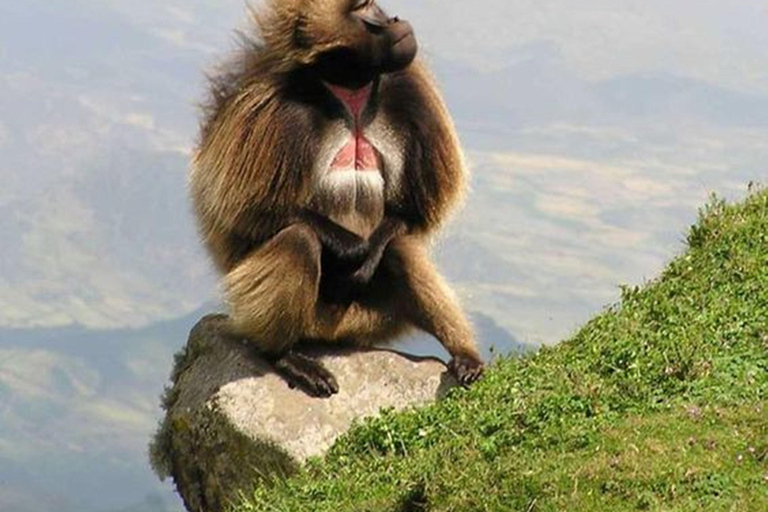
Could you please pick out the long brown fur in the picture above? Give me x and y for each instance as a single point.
(252, 173)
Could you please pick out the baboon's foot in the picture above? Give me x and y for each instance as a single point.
(466, 369)
(306, 373)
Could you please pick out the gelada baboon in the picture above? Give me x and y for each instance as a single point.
(326, 160)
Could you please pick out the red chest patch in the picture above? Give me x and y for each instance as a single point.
(357, 153)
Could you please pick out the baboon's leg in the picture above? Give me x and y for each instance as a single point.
(422, 296)
(272, 294)
(272, 291)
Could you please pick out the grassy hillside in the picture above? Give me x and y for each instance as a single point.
(659, 403)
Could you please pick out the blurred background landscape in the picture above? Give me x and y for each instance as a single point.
(594, 132)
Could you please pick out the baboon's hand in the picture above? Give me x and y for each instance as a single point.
(342, 248)
(343, 279)
(389, 228)
(466, 369)
(353, 254)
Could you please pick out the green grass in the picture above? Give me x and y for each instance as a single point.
(659, 403)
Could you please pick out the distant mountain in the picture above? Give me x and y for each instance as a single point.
(644, 96)
(538, 88)
(79, 408)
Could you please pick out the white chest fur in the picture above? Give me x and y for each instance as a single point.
(352, 196)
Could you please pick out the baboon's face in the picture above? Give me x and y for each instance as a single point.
(366, 41)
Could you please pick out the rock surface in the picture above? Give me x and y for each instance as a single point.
(232, 423)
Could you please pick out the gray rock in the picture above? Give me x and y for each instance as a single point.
(232, 423)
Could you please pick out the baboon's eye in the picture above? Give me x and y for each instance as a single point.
(372, 15)
(361, 4)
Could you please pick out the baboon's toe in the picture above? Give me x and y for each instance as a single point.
(306, 373)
